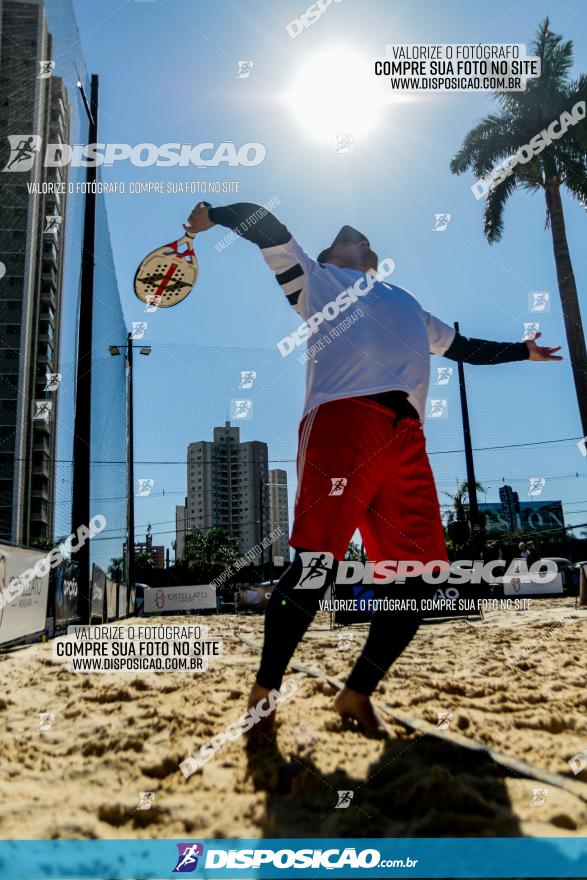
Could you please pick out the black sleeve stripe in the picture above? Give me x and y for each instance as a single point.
(290, 274)
(483, 351)
(253, 222)
(292, 298)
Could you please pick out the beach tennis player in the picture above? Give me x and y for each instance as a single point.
(362, 460)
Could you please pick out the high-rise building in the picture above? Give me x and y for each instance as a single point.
(510, 503)
(228, 487)
(34, 111)
(279, 514)
(180, 529)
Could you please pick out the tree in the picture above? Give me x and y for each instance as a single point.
(353, 552)
(207, 554)
(561, 163)
(116, 570)
(460, 505)
(144, 562)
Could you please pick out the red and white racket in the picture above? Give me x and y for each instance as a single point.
(168, 274)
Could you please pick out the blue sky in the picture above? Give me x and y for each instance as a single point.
(168, 74)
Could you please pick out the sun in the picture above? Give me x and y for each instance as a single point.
(337, 93)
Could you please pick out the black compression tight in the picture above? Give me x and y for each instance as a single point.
(290, 612)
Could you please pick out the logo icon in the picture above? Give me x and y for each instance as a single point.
(46, 719)
(539, 796)
(53, 380)
(146, 799)
(536, 486)
(539, 301)
(242, 409)
(578, 762)
(344, 799)
(338, 485)
(441, 222)
(438, 409)
(145, 487)
(247, 379)
(188, 855)
(443, 375)
(23, 151)
(531, 328)
(47, 68)
(244, 69)
(345, 641)
(138, 329)
(343, 144)
(443, 720)
(52, 224)
(315, 569)
(42, 410)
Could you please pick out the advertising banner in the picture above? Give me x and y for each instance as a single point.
(166, 600)
(111, 599)
(254, 598)
(66, 593)
(122, 600)
(98, 592)
(23, 608)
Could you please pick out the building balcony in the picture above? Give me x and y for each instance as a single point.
(50, 254)
(48, 293)
(42, 469)
(41, 444)
(42, 428)
(49, 277)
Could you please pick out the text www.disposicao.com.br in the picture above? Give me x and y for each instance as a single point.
(135, 664)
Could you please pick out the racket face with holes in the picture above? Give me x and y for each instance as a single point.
(167, 275)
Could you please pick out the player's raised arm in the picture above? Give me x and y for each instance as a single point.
(445, 341)
(257, 224)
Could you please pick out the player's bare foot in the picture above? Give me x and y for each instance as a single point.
(263, 726)
(352, 705)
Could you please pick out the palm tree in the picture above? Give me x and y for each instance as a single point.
(116, 570)
(460, 501)
(562, 162)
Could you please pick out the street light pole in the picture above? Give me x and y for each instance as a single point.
(115, 350)
(471, 482)
(130, 444)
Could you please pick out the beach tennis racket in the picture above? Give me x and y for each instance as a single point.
(168, 274)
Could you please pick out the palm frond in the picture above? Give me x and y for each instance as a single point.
(492, 140)
(494, 207)
(573, 174)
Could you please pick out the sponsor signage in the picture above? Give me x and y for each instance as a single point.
(111, 599)
(528, 516)
(122, 600)
(166, 600)
(254, 598)
(98, 592)
(22, 612)
(66, 593)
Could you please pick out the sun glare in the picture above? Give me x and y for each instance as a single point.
(337, 93)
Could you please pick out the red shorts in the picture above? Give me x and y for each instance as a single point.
(355, 470)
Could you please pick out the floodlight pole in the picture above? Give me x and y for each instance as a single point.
(82, 437)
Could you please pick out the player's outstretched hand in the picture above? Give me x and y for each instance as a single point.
(199, 221)
(542, 352)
